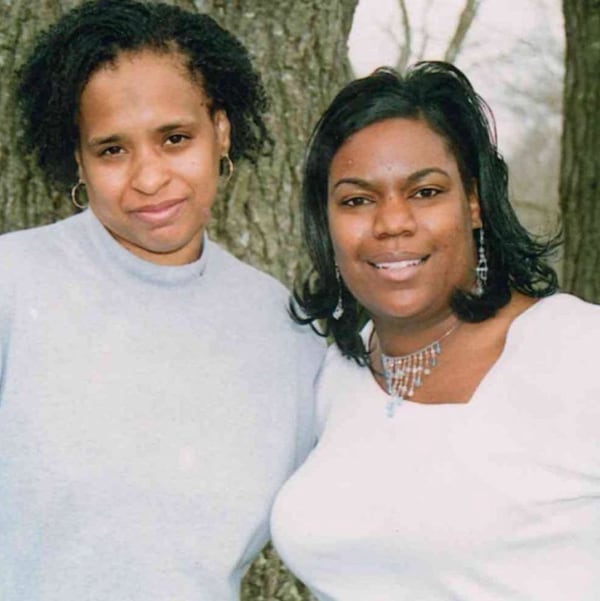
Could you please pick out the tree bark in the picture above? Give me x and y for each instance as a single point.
(25, 199)
(580, 171)
(301, 51)
(302, 55)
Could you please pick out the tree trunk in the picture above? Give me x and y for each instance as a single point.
(301, 51)
(580, 172)
(302, 55)
(25, 199)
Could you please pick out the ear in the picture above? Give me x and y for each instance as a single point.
(474, 208)
(223, 130)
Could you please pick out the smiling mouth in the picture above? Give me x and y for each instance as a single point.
(398, 265)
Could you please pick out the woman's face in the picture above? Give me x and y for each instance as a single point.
(400, 220)
(149, 153)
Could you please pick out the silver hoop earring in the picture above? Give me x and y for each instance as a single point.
(75, 195)
(339, 308)
(226, 167)
(481, 271)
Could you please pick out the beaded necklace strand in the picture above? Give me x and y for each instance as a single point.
(405, 373)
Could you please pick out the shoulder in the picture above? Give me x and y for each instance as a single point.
(21, 251)
(240, 275)
(32, 245)
(556, 336)
(262, 302)
(563, 315)
(27, 255)
(33, 259)
(339, 379)
(568, 306)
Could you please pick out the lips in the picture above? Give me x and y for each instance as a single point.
(156, 214)
(397, 266)
(396, 260)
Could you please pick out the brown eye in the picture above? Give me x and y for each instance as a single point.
(175, 139)
(355, 201)
(111, 151)
(427, 193)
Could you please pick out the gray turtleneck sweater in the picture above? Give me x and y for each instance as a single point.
(148, 415)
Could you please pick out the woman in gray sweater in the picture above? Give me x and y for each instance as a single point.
(154, 394)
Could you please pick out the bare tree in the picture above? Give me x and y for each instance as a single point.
(467, 16)
(405, 40)
(406, 44)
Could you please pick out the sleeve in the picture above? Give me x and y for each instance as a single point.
(325, 387)
(7, 294)
(5, 303)
(337, 375)
(313, 351)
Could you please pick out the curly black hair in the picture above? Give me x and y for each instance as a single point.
(95, 33)
(442, 96)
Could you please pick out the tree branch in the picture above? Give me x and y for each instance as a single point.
(405, 48)
(462, 28)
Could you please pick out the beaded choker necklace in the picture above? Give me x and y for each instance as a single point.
(405, 373)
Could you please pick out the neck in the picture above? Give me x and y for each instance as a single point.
(172, 258)
(396, 337)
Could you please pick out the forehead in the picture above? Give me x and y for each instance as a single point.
(145, 62)
(393, 143)
(137, 84)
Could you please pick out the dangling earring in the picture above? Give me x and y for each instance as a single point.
(339, 308)
(75, 195)
(481, 271)
(226, 167)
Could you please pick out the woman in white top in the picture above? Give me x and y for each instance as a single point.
(459, 455)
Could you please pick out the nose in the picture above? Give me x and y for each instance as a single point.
(394, 217)
(150, 172)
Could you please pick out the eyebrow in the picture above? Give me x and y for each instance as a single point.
(163, 129)
(411, 179)
(115, 138)
(108, 140)
(353, 181)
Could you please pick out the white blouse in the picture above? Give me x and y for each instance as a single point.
(497, 499)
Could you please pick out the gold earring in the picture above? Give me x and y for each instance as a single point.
(226, 167)
(74, 195)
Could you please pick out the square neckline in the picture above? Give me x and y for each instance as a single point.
(511, 338)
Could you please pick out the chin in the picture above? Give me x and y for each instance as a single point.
(407, 308)
(166, 240)
(395, 312)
